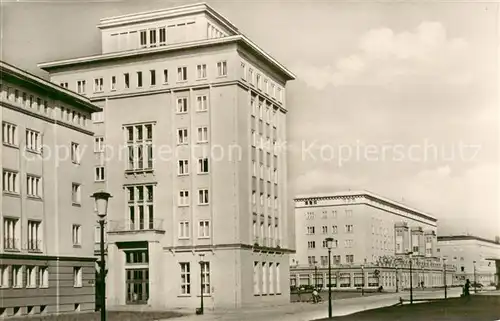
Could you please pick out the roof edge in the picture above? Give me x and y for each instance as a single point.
(47, 66)
(366, 194)
(14, 71)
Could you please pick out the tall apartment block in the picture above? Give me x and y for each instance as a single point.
(47, 263)
(187, 144)
(371, 233)
(365, 226)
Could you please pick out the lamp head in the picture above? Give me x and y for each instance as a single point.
(101, 203)
(329, 242)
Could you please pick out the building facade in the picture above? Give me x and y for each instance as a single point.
(474, 258)
(46, 253)
(368, 230)
(187, 144)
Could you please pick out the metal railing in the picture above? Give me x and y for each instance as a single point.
(136, 225)
(10, 243)
(34, 245)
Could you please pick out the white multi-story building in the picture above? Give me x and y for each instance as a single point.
(367, 230)
(197, 111)
(474, 258)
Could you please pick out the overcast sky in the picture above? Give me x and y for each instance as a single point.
(396, 98)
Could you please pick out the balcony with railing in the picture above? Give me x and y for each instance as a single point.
(135, 230)
(268, 242)
(34, 246)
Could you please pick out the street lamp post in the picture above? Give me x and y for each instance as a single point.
(329, 244)
(445, 290)
(411, 278)
(201, 282)
(475, 288)
(101, 205)
(363, 279)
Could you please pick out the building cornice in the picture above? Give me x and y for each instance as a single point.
(353, 195)
(23, 78)
(42, 257)
(168, 13)
(238, 39)
(444, 238)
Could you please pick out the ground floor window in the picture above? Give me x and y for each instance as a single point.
(137, 284)
(345, 280)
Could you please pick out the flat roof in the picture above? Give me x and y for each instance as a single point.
(369, 195)
(465, 237)
(8, 70)
(166, 13)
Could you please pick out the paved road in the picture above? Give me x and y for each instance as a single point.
(308, 311)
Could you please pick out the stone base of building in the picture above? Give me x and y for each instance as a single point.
(230, 276)
(40, 284)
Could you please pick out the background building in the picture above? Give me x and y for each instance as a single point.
(187, 144)
(46, 254)
(369, 231)
(468, 253)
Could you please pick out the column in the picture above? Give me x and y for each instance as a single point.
(115, 279)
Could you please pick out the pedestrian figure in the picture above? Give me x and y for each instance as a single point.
(316, 297)
(466, 289)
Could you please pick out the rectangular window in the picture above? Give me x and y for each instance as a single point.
(75, 153)
(126, 79)
(183, 168)
(139, 140)
(80, 87)
(182, 74)
(222, 68)
(202, 165)
(75, 193)
(152, 37)
(256, 279)
(182, 105)
(185, 278)
(77, 234)
(165, 76)
(184, 231)
(311, 244)
(34, 236)
(11, 233)
(99, 175)
(324, 229)
(243, 71)
(182, 136)
(137, 285)
(205, 277)
(33, 186)
(113, 83)
(4, 276)
(202, 134)
(349, 228)
(139, 79)
(143, 38)
(140, 201)
(201, 71)
(201, 103)
(10, 182)
(9, 134)
(204, 229)
(152, 76)
(136, 257)
(349, 258)
(202, 196)
(63, 84)
(33, 140)
(278, 278)
(43, 276)
(310, 230)
(183, 198)
(77, 277)
(17, 276)
(163, 38)
(98, 144)
(98, 85)
(259, 84)
(250, 76)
